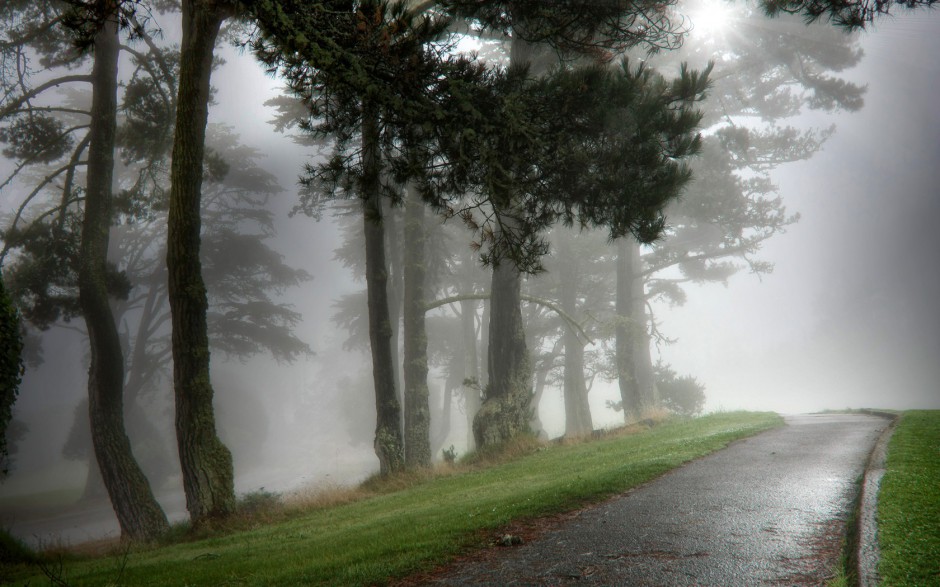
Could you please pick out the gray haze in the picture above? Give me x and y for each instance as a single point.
(849, 318)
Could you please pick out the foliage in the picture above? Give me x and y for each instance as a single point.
(394, 534)
(11, 370)
(847, 14)
(681, 395)
(909, 502)
(595, 146)
(14, 552)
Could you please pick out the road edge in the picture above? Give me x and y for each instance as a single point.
(867, 553)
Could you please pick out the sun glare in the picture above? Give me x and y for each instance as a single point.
(711, 17)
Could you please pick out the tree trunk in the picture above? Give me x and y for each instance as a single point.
(208, 477)
(472, 368)
(577, 410)
(645, 374)
(138, 513)
(634, 367)
(388, 435)
(626, 374)
(417, 409)
(391, 218)
(505, 410)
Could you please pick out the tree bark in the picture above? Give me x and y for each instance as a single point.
(417, 408)
(208, 477)
(634, 367)
(505, 410)
(388, 435)
(138, 513)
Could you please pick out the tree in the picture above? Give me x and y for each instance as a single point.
(847, 14)
(417, 409)
(35, 138)
(681, 395)
(138, 512)
(765, 71)
(11, 371)
(242, 275)
(208, 477)
(362, 70)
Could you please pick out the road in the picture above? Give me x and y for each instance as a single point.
(768, 510)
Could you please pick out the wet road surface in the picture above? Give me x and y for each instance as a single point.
(768, 510)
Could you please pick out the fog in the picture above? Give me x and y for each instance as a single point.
(847, 318)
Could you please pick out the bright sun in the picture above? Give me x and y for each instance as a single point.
(711, 17)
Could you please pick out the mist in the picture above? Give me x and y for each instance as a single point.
(847, 318)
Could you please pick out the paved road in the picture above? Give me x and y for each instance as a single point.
(769, 510)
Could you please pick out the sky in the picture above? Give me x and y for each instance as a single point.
(848, 318)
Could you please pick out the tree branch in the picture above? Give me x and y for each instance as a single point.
(531, 299)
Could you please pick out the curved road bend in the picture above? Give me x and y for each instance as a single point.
(768, 510)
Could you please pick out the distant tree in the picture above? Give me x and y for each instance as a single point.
(681, 395)
(732, 207)
(366, 71)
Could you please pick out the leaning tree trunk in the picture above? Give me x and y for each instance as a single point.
(138, 513)
(388, 436)
(417, 408)
(208, 477)
(577, 410)
(505, 410)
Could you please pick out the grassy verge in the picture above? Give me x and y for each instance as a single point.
(909, 503)
(417, 527)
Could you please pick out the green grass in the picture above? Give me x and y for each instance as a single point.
(909, 503)
(397, 533)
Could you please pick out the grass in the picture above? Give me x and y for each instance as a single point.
(909, 503)
(414, 522)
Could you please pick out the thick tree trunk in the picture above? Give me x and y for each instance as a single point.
(388, 435)
(577, 410)
(505, 410)
(138, 513)
(634, 367)
(208, 477)
(417, 408)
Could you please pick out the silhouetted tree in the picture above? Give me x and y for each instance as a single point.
(11, 371)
